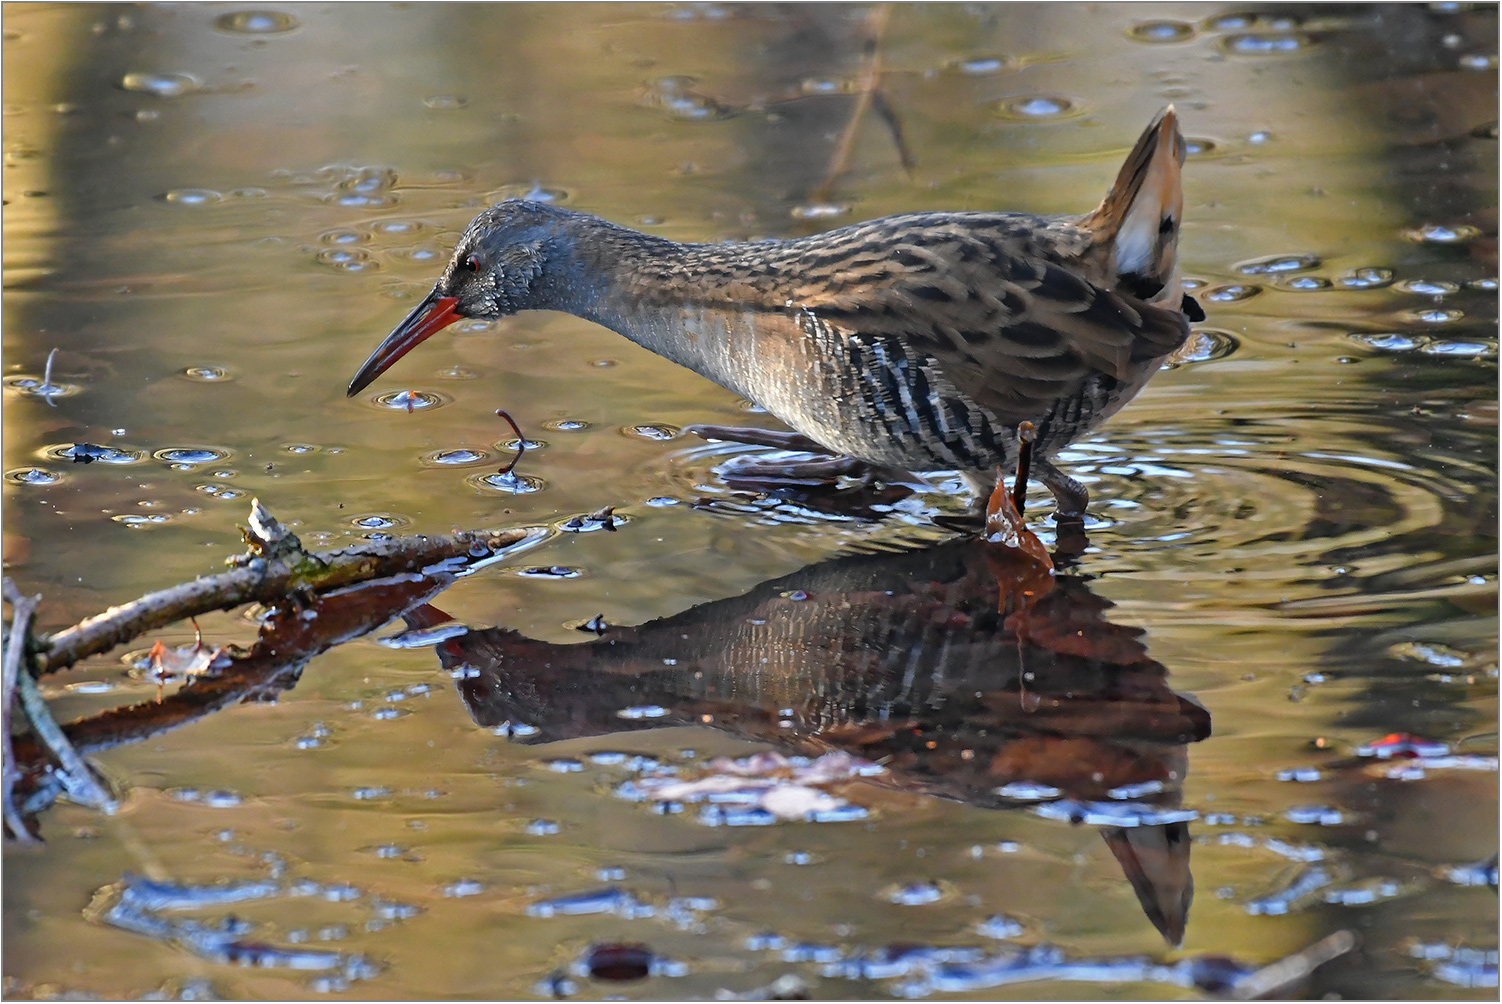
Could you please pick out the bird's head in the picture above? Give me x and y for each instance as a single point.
(495, 270)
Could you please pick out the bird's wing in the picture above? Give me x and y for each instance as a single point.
(1012, 330)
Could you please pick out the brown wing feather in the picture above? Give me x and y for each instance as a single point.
(1009, 325)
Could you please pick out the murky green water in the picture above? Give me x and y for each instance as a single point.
(214, 213)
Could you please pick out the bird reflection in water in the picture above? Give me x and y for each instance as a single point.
(965, 673)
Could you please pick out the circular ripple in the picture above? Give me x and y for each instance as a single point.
(566, 425)
(206, 374)
(191, 456)
(96, 454)
(409, 400)
(35, 476)
(35, 387)
(507, 484)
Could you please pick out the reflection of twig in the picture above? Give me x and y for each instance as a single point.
(868, 95)
(47, 390)
(1271, 981)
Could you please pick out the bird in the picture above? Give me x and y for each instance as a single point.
(919, 341)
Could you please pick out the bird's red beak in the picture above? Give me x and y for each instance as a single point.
(433, 314)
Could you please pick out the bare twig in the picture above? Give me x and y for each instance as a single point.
(267, 578)
(22, 608)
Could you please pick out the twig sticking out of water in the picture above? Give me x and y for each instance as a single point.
(521, 442)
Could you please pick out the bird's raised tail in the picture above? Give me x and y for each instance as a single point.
(1139, 219)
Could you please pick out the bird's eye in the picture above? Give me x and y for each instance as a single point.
(472, 263)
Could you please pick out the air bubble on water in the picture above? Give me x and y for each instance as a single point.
(445, 102)
(1036, 107)
(409, 400)
(1265, 43)
(1460, 348)
(1390, 341)
(1303, 283)
(1436, 233)
(658, 433)
(162, 85)
(378, 521)
(1277, 264)
(191, 456)
(981, 66)
(509, 483)
(344, 237)
(255, 22)
(1435, 315)
(1161, 32)
(1429, 287)
(35, 476)
(1366, 278)
(191, 197)
(566, 425)
(454, 458)
(819, 211)
(1230, 292)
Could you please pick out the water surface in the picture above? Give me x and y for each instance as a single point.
(214, 213)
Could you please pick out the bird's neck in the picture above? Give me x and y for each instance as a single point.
(681, 301)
